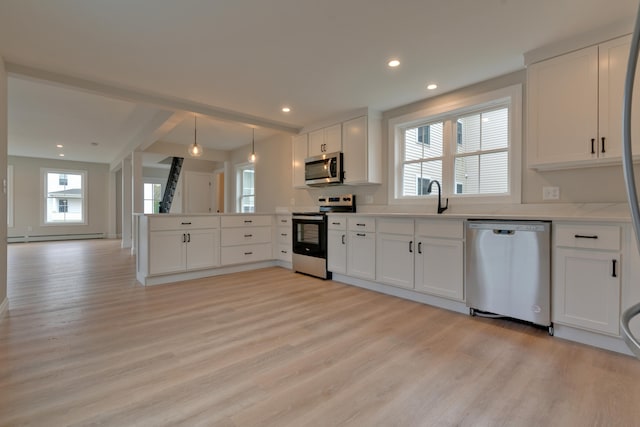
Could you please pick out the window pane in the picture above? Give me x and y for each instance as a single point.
(247, 182)
(248, 204)
(148, 206)
(423, 142)
(484, 131)
(483, 174)
(64, 198)
(495, 129)
(467, 175)
(494, 173)
(417, 176)
(148, 191)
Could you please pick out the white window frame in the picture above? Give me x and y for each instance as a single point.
(162, 182)
(511, 95)
(43, 197)
(239, 196)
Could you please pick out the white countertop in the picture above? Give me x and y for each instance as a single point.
(618, 212)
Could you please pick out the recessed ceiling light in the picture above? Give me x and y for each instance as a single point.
(393, 63)
(61, 155)
(286, 109)
(432, 86)
(59, 146)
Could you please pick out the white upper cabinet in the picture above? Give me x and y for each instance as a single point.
(614, 57)
(575, 107)
(362, 151)
(563, 108)
(325, 140)
(300, 152)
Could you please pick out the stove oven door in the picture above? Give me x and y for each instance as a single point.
(310, 235)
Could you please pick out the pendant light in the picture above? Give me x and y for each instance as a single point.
(195, 150)
(252, 156)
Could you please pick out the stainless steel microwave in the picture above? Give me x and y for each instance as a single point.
(322, 170)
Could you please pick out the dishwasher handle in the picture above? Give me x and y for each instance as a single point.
(504, 232)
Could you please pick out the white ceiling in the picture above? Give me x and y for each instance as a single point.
(245, 59)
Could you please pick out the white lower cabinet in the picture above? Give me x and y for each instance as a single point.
(283, 238)
(427, 257)
(177, 251)
(586, 278)
(361, 247)
(439, 267)
(337, 244)
(395, 253)
(246, 238)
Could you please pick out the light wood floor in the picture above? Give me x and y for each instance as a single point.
(83, 344)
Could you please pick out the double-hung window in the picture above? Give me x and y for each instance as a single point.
(472, 148)
(64, 196)
(245, 189)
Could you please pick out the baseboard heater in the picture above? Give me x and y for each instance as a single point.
(53, 237)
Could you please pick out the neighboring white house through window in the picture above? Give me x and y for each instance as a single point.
(472, 148)
(245, 188)
(64, 196)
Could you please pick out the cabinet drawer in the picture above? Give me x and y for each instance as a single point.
(284, 253)
(605, 237)
(395, 226)
(361, 223)
(283, 220)
(245, 253)
(245, 235)
(284, 236)
(443, 228)
(337, 222)
(157, 223)
(245, 220)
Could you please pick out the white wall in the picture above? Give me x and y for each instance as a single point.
(272, 173)
(27, 204)
(3, 174)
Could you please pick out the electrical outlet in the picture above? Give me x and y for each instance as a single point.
(550, 193)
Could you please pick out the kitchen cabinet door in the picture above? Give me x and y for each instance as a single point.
(394, 259)
(203, 249)
(337, 251)
(300, 152)
(613, 57)
(325, 140)
(169, 252)
(361, 254)
(563, 108)
(362, 151)
(439, 267)
(586, 289)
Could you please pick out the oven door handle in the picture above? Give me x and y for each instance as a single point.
(309, 217)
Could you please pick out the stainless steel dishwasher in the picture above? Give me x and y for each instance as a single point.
(508, 269)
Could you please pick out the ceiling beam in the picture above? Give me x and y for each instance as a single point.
(148, 98)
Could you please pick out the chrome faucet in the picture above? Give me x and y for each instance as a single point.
(440, 207)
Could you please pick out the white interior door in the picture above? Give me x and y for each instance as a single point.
(197, 189)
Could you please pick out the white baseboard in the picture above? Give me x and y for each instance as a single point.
(457, 306)
(54, 237)
(199, 274)
(593, 339)
(4, 307)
